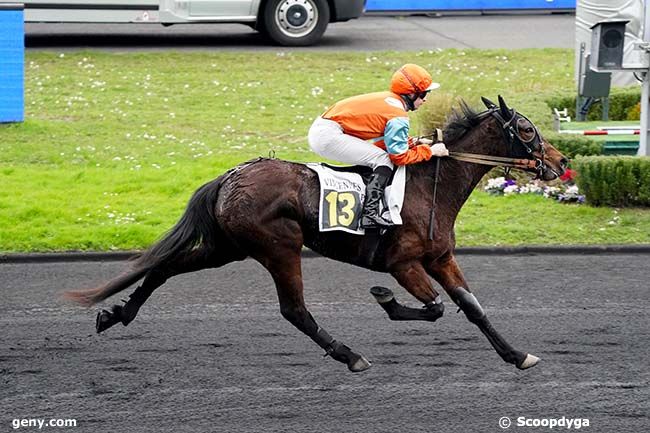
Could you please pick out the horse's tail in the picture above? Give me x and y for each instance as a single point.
(90, 297)
(195, 233)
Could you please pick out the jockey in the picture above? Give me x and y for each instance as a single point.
(372, 130)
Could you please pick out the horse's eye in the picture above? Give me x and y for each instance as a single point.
(529, 130)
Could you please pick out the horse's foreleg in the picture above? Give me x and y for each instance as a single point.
(447, 272)
(286, 272)
(413, 278)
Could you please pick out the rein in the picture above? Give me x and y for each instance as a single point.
(513, 137)
(432, 215)
(496, 161)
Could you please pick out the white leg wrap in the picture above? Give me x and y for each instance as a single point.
(468, 303)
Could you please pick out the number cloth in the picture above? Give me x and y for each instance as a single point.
(342, 195)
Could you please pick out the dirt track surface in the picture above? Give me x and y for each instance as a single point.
(211, 353)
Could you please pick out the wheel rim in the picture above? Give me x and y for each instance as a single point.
(296, 18)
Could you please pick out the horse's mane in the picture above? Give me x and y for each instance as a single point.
(459, 122)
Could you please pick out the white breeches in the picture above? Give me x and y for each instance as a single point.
(326, 138)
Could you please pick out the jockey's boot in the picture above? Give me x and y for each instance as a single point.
(371, 218)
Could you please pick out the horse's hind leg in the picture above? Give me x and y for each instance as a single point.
(447, 272)
(126, 313)
(286, 272)
(153, 279)
(413, 278)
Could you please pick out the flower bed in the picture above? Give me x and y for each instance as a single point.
(565, 192)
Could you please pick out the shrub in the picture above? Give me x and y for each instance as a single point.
(621, 104)
(634, 112)
(572, 146)
(614, 181)
(434, 112)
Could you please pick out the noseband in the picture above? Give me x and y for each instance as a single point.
(520, 149)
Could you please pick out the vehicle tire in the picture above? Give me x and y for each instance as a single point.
(295, 22)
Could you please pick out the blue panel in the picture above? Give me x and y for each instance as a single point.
(445, 5)
(12, 64)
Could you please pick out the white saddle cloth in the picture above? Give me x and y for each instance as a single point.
(342, 195)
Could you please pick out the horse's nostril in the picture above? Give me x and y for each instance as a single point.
(564, 162)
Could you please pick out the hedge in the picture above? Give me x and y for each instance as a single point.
(623, 104)
(618, 181)
(572, 146)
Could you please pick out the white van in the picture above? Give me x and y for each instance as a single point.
(287, 22)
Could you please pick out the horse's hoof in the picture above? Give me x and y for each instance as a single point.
(529, 361)
(382, 294)
(106, 319)
(342, 353)
(361, 364)
(103, 321)
(433, 312)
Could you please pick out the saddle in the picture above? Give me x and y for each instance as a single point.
(361, 170)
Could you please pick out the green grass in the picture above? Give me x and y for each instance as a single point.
(114, 144)
(534, 220)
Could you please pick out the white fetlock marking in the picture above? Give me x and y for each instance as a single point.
(530, 361)
(361, 365)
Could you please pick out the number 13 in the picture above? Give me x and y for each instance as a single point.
(347, 201)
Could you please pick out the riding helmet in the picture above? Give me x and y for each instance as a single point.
(411, 78)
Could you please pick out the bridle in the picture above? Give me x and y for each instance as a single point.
(522, 151)
(517, 145)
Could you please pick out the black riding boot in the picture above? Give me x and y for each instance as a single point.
(371, 218)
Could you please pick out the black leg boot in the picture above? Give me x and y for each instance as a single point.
(371, 217)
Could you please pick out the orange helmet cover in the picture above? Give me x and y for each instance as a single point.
(411, 78)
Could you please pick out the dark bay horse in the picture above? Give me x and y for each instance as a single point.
(267, 209)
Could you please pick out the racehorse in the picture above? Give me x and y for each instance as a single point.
(267, 209)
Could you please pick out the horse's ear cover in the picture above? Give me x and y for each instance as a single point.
(488, 103)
